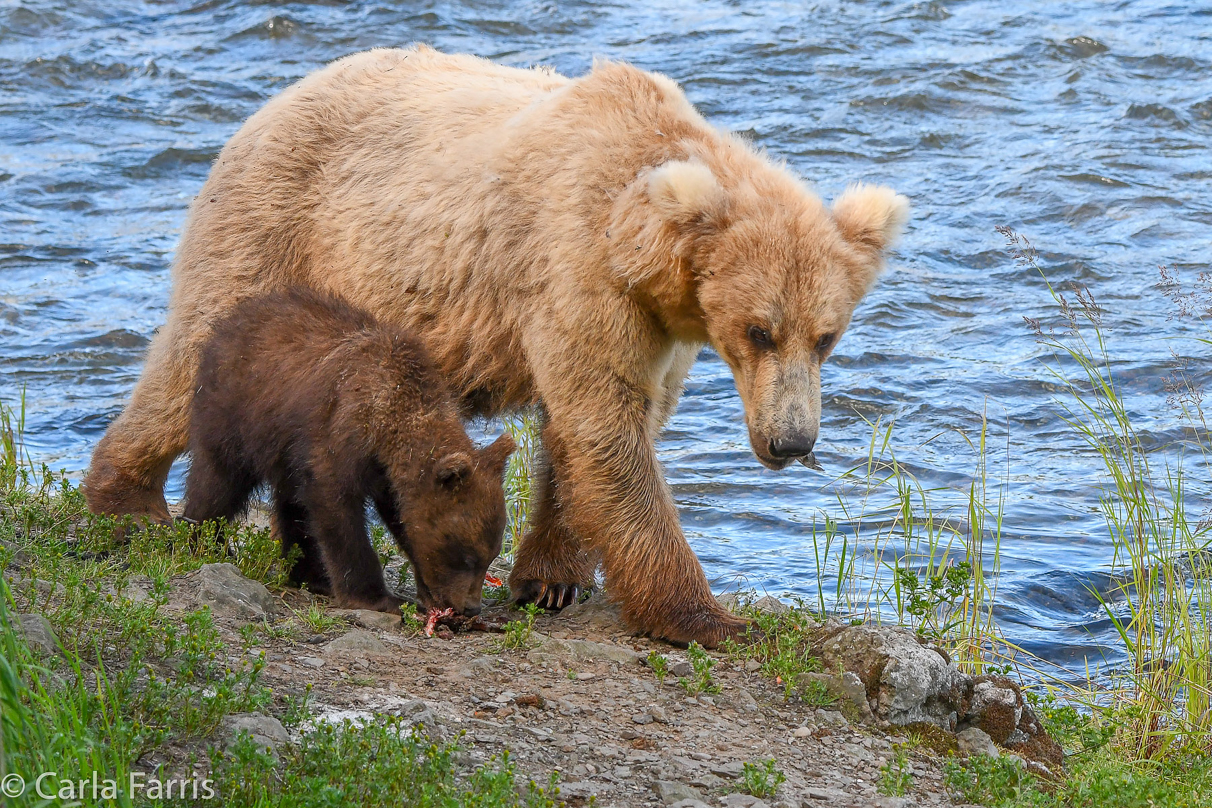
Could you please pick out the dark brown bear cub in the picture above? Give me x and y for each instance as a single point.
(331, 408)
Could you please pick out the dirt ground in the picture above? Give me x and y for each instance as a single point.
(581, 701)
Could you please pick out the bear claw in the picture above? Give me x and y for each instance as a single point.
(550, 597)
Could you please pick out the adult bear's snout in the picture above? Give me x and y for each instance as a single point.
(791, 447)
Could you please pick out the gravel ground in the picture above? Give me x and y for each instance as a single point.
(580, 700)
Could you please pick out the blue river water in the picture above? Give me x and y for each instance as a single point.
(1086, 126)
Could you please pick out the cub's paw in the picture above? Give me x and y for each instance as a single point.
(551, 597)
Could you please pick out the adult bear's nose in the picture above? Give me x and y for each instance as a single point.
(471, 611)
(791, 446)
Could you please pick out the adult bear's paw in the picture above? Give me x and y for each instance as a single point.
(549, 596)
(109, 491)
(709, 627)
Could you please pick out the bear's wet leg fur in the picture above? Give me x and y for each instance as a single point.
(215, 490)
(290, 526)
(551, 568)
(616, 496)
(337, 520)
(131, 462)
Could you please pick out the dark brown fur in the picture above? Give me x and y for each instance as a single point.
(331, 408)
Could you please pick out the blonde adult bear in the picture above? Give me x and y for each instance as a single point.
(562, 243)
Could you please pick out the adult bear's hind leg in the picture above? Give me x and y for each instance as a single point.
(131, 462)
(551, 568)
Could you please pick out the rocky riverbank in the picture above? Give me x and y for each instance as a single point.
(574, 693)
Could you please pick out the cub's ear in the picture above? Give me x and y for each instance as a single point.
(686, 192)
(871, 216)
(496, 455)
(453, 469)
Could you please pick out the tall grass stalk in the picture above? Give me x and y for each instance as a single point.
(13, 456)
(519, 483)
(916, 554)
(1162, 598)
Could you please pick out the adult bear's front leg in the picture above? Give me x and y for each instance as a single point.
(615, 496)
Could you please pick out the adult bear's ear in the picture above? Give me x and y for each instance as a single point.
(686, 192)
(494, 456)
(871, 216)
(453, 469)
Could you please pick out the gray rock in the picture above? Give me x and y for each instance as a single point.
(583, 651)
(670, 792)
(731, 601)
(417, 712)
(137, 589)
(642, 718)
(852, 690)
(374, 620)
(265, 731)
(975, 741)
(17, 558)
(230, 594)
(310, 662)
(357, 643)
(744, 700)
(39, 634)
(752, 666)
(595, 613)
(680, 668)
(771, 605)
(479, 666)
(911, 683)
(730, 768)
(682, 804)
(578, 789)
(845, 689)
(832, 718)
(739, 801)
(996, 707)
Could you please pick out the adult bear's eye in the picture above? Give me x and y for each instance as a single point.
(760, 337)
(825, 343)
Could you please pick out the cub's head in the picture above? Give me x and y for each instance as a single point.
(454, 520)
(776, 276)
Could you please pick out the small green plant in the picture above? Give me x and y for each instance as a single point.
(519, 633)
(297, 708)
(701, 664)
(252, 633)
(412, 619)
(384, 544)
(931, 601)
(817, 694)
(997, 783)
(659, 665)
(318, 620)
(370, 763)
(896, 776)
(781, 645)
(760, 780)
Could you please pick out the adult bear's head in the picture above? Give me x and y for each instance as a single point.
(774, 276)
